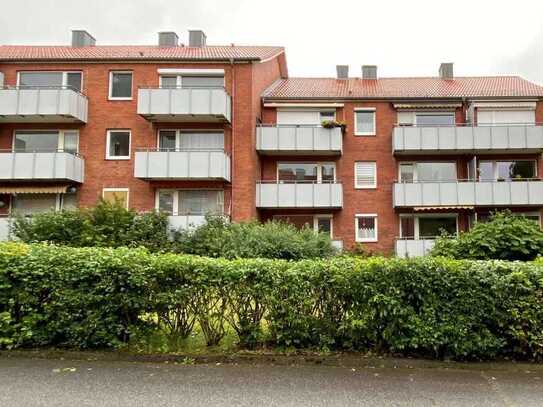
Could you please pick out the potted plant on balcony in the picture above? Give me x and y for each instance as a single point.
(330, 124)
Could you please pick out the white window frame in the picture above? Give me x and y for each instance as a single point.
(316, 223)
(372, 186)
(111, 73)
(175, 198)
(179, 132)
(415, 169)
(495, 166)
(60, 140)
(361, 239)
(179, 77)
(319, 169)
(127, 190)
(366, 110)
(108, 138)
(64, 76)
(416, 228)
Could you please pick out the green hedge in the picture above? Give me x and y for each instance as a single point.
(98, 297)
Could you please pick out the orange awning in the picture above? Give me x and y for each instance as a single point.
(434, 208)
(54, 189)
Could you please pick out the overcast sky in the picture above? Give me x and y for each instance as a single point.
(404, 38)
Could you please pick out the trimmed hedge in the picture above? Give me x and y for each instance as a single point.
(435, 307)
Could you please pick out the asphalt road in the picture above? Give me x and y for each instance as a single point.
(42, 382)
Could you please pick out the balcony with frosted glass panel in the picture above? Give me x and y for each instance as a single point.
(182, 104)
(483, 139)
(518, 192)
(299, 194)
(42, 104)
(298, 139)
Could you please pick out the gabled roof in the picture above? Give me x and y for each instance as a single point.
(137, 52)
(423, 87)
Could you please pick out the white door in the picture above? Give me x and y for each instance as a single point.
(506, 116)
(302, 117)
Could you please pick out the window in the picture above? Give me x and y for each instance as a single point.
(507, 170)
(427, 226)
(193, 140)
(534, 216)
(437, 119)
(427, 171)
(306, 172)
(364, 122)
(113, 195)
(365, 174)
(118, 145)
(46, 141)
(321, 223)
(366, 228)
(29, 204)
(192, 81)
(191, 202)
(327, 116)
(72, 80)
(120, 85)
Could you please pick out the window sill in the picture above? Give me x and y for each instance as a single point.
(117, 158)
(365, 134)
(366, 240)
(371, 187)
(119, 99)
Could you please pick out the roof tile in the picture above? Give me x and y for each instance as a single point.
(423, 87)
(129, 52)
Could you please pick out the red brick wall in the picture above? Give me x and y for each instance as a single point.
(244, 82)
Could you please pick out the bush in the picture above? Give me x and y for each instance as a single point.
(105, 225)
(98, 297)
(503, 237)
(273, 239)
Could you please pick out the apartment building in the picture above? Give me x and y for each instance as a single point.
(169, 126)
(191, 129)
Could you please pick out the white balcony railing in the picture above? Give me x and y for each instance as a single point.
(42, 105)
(41, 165)
(469, 193)
(278, 139)
(182, 164)
(273, 194)
(185, 104)
(513, 138)
(4, 228)
(413, 247)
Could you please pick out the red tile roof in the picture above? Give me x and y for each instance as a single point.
(122, 52)
(424, 87)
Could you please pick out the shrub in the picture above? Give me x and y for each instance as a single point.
(273, 239)
(435, 307)
(105, 225)
(503, 237)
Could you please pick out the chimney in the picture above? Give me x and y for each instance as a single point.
(168, 39)
(342, 71)
(81, 38)
(197, 38)
(446, 71)
(369, 71)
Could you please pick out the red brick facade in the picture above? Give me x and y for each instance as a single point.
(245, 82)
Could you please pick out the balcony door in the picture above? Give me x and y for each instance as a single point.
(427, 226)
(427, 172)
(303, 172)
(46, 141)
(178, 140)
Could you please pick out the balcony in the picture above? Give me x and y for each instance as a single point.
(413, 247)
(195, 165)
(4, 228)
(184, 104)
(469, 193)
(182, 222)
(42, 105)
(304, 140)
(490, 139)
(41, 166)
(273, 194)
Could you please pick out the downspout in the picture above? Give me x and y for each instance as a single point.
(232, 152)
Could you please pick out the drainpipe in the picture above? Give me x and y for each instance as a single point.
(232, 153)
